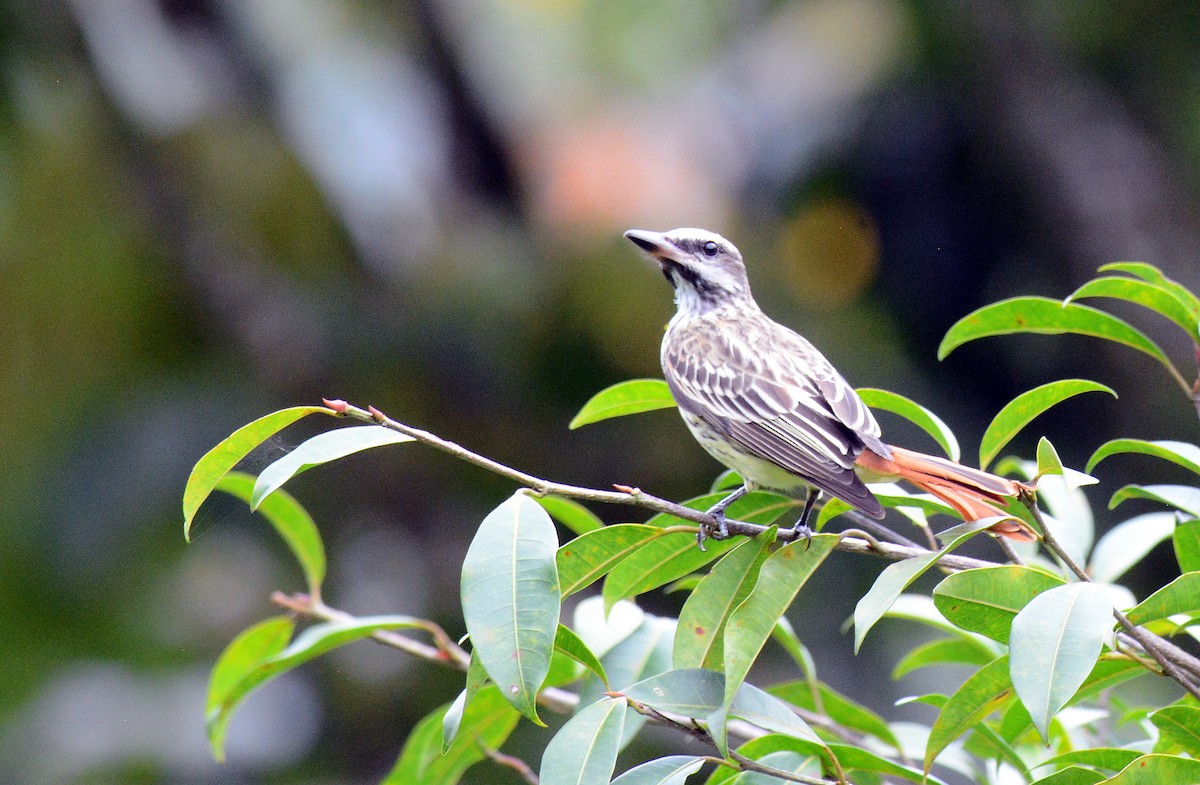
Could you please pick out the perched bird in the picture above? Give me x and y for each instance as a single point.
(763, 401)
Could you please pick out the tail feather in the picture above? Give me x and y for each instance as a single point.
(973, 494)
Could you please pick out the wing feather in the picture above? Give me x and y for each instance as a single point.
(788, 406)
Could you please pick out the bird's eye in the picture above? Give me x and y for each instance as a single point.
(710, 248)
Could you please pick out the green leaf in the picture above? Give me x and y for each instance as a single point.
(584, 751)
(1022, 410)
(671, 770)
(590, 556)
(728, 480)
(763, 709)
(1112, 759)
(1180, 453)
(987, 599)
(1181, 595)
(232, 449)
(510, 598)
(780, 579)
(644, 653)
(1143, 293)
(1045, 316)
(631, 397)
(322, 448)
(1185, 498)
(1054, 644)
(987, 690)
(700, 635)
(690, 692)
(476, 678)
(918, 415)
(1180, 725)
(293, 524)
(944, 651)
(837, 708)
(672, 556)
(1151, 274)
(1072, 775)
(1049, 463)
(241, 677)
(897, 577)
(239, 659)
(573, 646)
(486, 724)
(570, 513)
(1157, 770)
(1187, 545)
(1127, 543)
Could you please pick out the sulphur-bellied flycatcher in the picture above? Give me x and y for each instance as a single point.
(763, 401)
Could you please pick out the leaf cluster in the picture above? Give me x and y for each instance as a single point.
(1047, 638)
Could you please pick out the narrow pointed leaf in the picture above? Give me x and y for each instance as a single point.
(294, 525)
(1110, 758)
(631, 397)
(590, 556)
(918, 415)
(308, 645)
(510, 598)
(238, 661)
(643, 654)
(1047, 317)
(1072, 775)
(452, 721)
(1181, 595)
(570, 513)
(727, 480)
(986, 600)
(673, 556)
(1048, 463)
(1180, 725)
(571, 645)
(1128, 543)
(945, 651)
(1157, 770)
(987, 690)
(897, 577)
(1142, 293)
(584, 751)
(782, 576)
(1185, 498)
(760, 708)
(671, 770)
(486, 724)
(1151, 274)
(1180, 453)
(700, 635)
(322, 448)
(1021, 411)
(232, 449)
(1054, 644)
(1186, 540)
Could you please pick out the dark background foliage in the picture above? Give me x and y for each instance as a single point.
(209, 210)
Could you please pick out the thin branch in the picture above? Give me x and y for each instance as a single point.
(636, 497)
(511, 762)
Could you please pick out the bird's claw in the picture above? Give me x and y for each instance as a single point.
(802, 530)
(720, 531)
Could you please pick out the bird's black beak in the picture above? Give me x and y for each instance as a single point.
(655, 244)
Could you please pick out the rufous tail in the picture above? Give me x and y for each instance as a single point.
(973, 494)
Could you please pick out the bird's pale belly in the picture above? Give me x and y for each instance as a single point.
(756, 472)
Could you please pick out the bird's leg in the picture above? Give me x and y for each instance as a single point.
(718, 511)
(800, 528)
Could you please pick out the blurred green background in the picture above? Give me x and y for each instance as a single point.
(210, 209)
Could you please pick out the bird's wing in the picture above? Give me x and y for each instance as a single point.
(775, 395)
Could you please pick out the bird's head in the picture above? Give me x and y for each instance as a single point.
(706, 269)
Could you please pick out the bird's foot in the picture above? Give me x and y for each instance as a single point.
(802, 530)
(718, 529)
